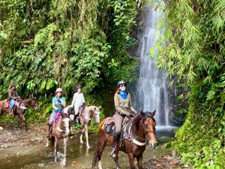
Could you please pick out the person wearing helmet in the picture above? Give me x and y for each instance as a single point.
(12, 97)
(78, 101)
(58, 104)
(122, 101)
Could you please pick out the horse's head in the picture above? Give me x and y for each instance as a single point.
(97, 114)
(34, 104)
(149, 127)
(30, 103)
(65, 124)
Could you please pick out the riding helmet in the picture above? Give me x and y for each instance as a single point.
(121, 82)
(12, 85)
(77, 87)
(58, 90)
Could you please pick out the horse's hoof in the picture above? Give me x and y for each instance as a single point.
(81, 142)
(88, 147)
(47, 145)
(63, 162)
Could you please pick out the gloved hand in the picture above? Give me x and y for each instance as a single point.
(132, 114)
(124, 111)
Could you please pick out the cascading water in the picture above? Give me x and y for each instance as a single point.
(152, 86)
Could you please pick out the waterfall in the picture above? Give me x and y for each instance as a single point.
(152, 85)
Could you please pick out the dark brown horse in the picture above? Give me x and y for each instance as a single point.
(142, 129)
(28, 103)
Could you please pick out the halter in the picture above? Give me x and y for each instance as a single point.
(146, 131)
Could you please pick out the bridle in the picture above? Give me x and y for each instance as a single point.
(143, 125)
(133, 136)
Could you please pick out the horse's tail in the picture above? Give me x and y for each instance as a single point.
(95, 157)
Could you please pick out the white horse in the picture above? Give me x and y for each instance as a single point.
(89, 113)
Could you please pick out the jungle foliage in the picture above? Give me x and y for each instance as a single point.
(195, 53)
(49, 43)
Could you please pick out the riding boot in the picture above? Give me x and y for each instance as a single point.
(114, 145)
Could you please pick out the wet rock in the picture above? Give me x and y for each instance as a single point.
(41, 165)
(1, 128)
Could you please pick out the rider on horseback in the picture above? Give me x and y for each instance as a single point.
(78, 102)
(122, 100)
(12, 97)
(58, 103)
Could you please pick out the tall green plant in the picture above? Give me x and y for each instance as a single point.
(194, 32)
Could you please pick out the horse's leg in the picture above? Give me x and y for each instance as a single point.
(22, 118)
(65, 140)
(139, 162)
(116, 161)
(101, 143)
(81, 136)
(55, 148)
(86, 135)
(131, 160)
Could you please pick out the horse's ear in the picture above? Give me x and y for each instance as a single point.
(142, 113)
(153, 113)
(100, 107)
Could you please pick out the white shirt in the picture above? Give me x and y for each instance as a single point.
(78, 99)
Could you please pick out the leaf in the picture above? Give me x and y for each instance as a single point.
(43, 83)
(50, 84)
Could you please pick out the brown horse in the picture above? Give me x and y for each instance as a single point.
(19, 111)
(142, 128)
(60, 130)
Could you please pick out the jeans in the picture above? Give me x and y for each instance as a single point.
(52, 117)
(12, 102)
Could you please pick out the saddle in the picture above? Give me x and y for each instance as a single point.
(6, 104)
(110, 128)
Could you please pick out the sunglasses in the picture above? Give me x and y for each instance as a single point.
(123, 85)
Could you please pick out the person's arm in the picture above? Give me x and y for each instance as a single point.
(120, 109)
(63, 102)
(10, 95)
(53, 104)
(74, 99)
(83, 98)
(131, 107)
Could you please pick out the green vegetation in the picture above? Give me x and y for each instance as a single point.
(49, 43)
(195, 54)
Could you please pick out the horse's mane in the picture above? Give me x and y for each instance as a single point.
(135, 121)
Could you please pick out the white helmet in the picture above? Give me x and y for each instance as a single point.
(58, 90)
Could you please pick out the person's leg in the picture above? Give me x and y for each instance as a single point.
(11, 105)
(51, 120)
(118, 122)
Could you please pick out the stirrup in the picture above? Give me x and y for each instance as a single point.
(113, 153)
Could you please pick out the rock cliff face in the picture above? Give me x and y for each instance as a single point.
(151, 92)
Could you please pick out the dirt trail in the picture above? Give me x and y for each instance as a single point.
(20, 142)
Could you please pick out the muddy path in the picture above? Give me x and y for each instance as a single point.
(26, 150)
